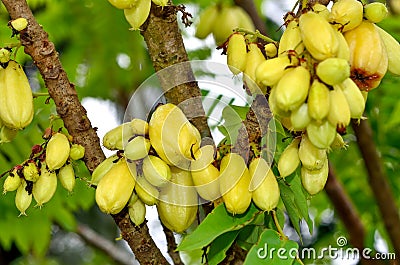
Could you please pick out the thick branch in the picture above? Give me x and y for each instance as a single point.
(37, 45)
(378, 182)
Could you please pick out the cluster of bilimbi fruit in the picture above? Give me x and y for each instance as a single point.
(136, 11)
(48, 163)
(317, 77)
(162, 163)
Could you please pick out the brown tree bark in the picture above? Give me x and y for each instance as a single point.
(62, 91)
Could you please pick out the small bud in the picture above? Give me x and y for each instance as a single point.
(375, 12)
(19, 24)
(77, 152)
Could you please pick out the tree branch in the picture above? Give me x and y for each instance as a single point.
(378, 182)
(171, 245)
(62, 91)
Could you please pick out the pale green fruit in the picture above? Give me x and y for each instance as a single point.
(19, 24)
(66, 176)
(321, 134)
(139, 127)
(102, 169)
(236, 53)
(270, 71)
(57, 151)
(12, 182)
(300, 117)
(31, 172)
(333, 71)
(138, 14)
(145, 191)
(289, 159)
(354, 98)
(203, 157)
(206, 22)
(137, 212)
(123, 4)
(375, 12)
(314, 180)
(45, 187)
(347, 14)
(4, 55)
(137, 148)
(318, 101)
(291, 39)
(7, 134)
(160, 2)
(311, 157)
(22, 198)
(77, 152)
(392, 47)
(207, 183)
(339, 109)
(156, 171)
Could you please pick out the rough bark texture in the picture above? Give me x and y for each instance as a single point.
(378, 182)
(62, 91)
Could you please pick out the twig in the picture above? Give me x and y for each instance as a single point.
(250, 8)
(171, 246)
(62, 91)
(103, 244)
(378, 182)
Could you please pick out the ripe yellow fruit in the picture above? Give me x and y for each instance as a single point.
(31, 172)
(45, 187)
(314, 180)
(145, 191)
(177, 206)
(289, 159)
(333, 71)
(270, 71)
(138, 127)
(57, 151)
(300, 118)
(236, 53)
(393, 51)
(322, 11)
(291, 39)
(318, 36)
(375, 12)
(115, 188)
(266, 195)
(156, 171)
(354, 98)
(19, 23)
(66, 176)
(206, 22)
(321, 134)
(138, 14)
(102, 169)
(12, 182)
(343, 50)
(117, 137)
(16, 101)
(311, 157)
(172, 136)
(23, 198)
(270, 50)
(234, 183)
(339, 111)
(292, 88)
(203, 157)
(346, 14)
(123, 4)
(76, 152)
(137, 148)
(318, 101)
(368, 57)
(137, 212)
(207, 183)
(253, 59)
(258, 169)
(273, 105)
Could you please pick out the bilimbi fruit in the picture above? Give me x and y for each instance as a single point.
(346, 14)
(23, 198)
(234, 183)
(333, 71)
(353, 97)
(253, 59)
(16, 101)
(291, 39)
(375, 12)
(266, 195)
(19, 23)
(66, 176)
(207, 183)
(339, 110)
(115, 188)
(311, 157)
(289, 159)
(57, 151)
(314, 180)
(137, 148)
(137, 212)
(31, 171)
(271, 71)
(5, 55)
(177, 206)
(392, 47)
(160, 2)
(12, 182)
(45, 187)
(300, 118)
(113, 139)
(7, 134)
(139, 127)
(206, 22)
(123, 4)
(202, 158)
(102, 169)
(145, 191)
(321, 134)
(318, 101)
(138, 14)
(156, 171)
(76, 152)
(236, 53)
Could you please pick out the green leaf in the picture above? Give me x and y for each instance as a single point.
(287, 197)
(271, 249)
(218, 222)
(248, 236)
(220, 245)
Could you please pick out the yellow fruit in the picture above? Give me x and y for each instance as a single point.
(31, 172)
(273, 105)
(346, 14)
(4, 55)
(138, 127)
(343, 50)
(321, 134)
(314, 180)
(368, 57)
(234, 183)
(236, 53)
(207, 183)
(116, 138)
(203, 157)
(57, 151)
(137, 148)
(289, 159)
(270, 50)
(156, 171)
(258, 169)
(292, 88)
(333, 71)
(353, 97)
(12, 182)
(115, 188)
(16, 101)
(393, 51)
(300, 118)
(23, 198)
(137, 212)
(145, 191)
(45, 187)
(311, 157)
(76, 152)
(269, 72)
(19, 23)
(318, 36)
(375, 12)
(253, 59)
(291, 39)
(173, 137)
(206, 22)
(160, 2)
(318, 101)
(339, 111)
(66, 176)
(138, 14)
(123, 4)
(266, 195)
(102, 169)
(177, 206)
(322, 11)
